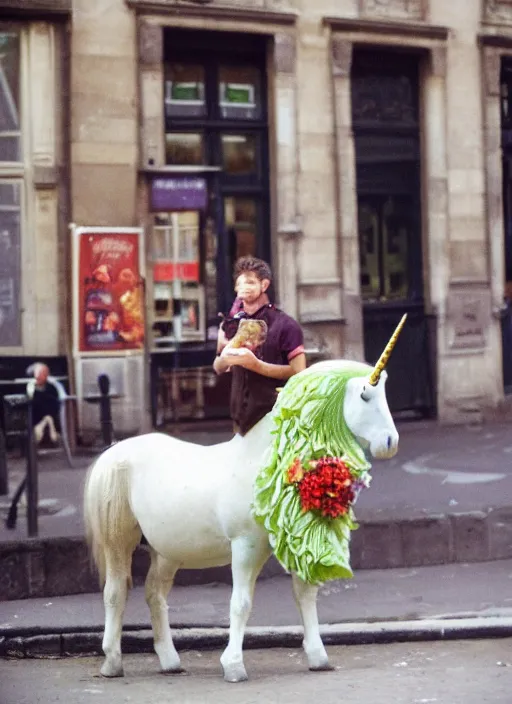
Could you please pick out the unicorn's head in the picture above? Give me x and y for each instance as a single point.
(368, 417)
(361, 407)
(343, 404)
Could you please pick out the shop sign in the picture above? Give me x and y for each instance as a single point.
(109, 293)
(179, 193)
(164, 271)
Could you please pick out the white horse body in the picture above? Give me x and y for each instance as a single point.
(206, 508)
(193, 506)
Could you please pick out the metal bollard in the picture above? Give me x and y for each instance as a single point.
(32, 476)
(105, 410)
(4, 477)
(30, 480)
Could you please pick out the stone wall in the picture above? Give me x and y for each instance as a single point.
(104, 113)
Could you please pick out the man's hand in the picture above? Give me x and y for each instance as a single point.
(241, 357)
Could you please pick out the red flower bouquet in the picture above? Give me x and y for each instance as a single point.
(325, 485)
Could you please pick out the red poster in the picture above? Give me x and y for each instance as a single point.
(110, 292)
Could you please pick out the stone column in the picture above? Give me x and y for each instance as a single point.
(436, 182)
(494, 202)
(341, 59)
(288, 226)
(494, 172)
(468, 337)
(152, 132)
(41, 254)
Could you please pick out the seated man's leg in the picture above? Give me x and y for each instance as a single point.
(45, 416)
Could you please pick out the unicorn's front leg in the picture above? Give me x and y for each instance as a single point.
(249, 554)
(305, 597)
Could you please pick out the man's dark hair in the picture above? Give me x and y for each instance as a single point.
(253, 265)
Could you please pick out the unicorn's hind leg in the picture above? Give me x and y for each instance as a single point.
(118, 579)
(249, 554)
(305, 597)
(158, 583)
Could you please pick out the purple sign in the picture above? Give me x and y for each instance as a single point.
(178, 193)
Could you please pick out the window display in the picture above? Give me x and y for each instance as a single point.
(239, 92)
(184, 90)
(176, 279)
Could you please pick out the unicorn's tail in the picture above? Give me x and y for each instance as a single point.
(111, 528)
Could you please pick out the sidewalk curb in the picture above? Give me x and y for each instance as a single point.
(76, 644)
(50, 567)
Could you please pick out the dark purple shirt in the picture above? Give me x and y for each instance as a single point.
(254, 395)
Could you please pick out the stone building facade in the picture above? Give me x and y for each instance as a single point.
(378, 175)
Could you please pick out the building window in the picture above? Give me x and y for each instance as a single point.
(10, 127)
(216, 116)
(11, 188)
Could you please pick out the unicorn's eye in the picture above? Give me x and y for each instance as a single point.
(364, 398)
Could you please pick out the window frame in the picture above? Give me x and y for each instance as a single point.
(15, 172)
(196, 48)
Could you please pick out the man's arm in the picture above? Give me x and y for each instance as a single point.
(245, 358)
(220, 366)
(281, 371)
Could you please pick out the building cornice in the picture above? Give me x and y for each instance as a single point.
(212, 11)
(497, 38)
(414, 30)
(35, 8)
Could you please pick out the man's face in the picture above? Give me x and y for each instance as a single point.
(41, 376)
(249, 288)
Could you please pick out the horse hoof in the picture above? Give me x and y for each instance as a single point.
(322, 667)
(112, 670)
(178, 670)
(235, 673)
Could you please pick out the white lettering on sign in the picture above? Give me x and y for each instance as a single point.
(112, 245)
(168, 184)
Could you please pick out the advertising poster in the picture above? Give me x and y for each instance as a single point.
(109, 291)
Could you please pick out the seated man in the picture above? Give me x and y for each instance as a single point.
(45, 406)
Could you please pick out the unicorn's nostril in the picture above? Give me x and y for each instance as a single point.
(389, 442)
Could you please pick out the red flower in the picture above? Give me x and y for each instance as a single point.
(326, 486)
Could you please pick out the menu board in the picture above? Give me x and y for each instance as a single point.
(109, 293)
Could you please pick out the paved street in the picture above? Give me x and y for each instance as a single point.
(458, 672)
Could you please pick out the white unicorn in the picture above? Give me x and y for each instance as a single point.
(195, 507)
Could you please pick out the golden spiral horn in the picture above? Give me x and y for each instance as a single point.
(383, 360)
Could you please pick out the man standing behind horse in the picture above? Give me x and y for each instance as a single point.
(256, 373)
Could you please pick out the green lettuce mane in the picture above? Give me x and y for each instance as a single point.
(308, 424)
